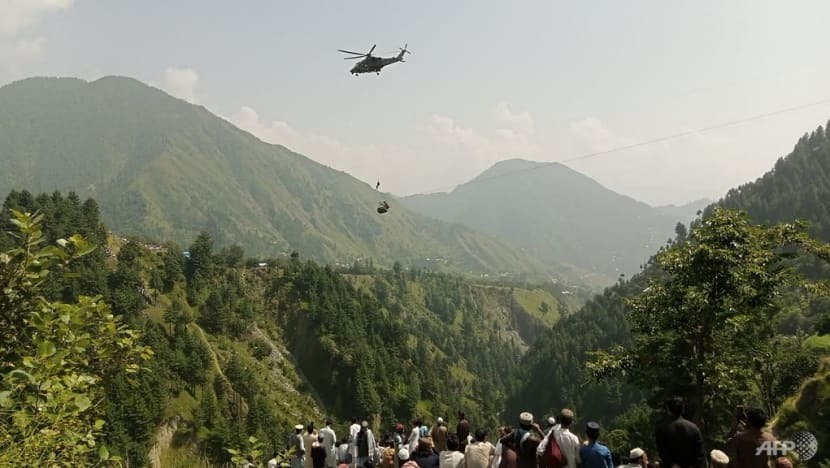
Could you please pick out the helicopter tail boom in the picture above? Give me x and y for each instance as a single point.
(403, 51)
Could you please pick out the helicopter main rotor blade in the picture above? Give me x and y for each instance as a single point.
(372, 50)
(353, 58)
(350, 52)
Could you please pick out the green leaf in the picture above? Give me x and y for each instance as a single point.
(103, 453)
(82, 402)
(6, 400)
(46, 348)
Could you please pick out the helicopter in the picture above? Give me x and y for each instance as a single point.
(371, 63)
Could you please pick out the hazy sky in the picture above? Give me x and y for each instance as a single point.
(486, 80)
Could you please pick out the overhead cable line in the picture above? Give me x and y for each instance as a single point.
(673, 136)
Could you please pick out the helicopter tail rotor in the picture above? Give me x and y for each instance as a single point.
(403, 51)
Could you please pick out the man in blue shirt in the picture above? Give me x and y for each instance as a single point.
(595, 454)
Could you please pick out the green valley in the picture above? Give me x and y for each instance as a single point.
(244, 350)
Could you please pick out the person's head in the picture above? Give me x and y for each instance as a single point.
(399, 428)
(310, 427)
(453, 444)
(364, 426)
(526, 420)
(424, 444)
(719, 459)
(298, 428)
(439, 421)
(403, 454)
(675, 406)
(461, 415)
(354, 419)
(637, 456)
(328, 422)
(566, 417)
(481, 435)
(756, 418)
(550, 422)
(592, 431)
(274, 455)
(417, 422)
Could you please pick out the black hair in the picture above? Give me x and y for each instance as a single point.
(592, 434)
(453, 443)
(756, 418)
(481, 434)
(675, 405)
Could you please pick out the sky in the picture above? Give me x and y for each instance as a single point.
(486, 80)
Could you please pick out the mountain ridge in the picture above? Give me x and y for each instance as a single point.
(557, 213)
(164, 168)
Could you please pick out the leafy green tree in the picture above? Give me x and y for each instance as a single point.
(215, 313)
(55, 356)
(199, 267)
(173, 267)
(697, 326)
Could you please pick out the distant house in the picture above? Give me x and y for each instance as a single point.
(186, 253)
(262, 265)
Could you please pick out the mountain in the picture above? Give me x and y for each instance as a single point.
(556, 213)
(798, 187)
(165, 169)
(687, 212)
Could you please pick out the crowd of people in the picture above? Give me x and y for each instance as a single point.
(554, 444)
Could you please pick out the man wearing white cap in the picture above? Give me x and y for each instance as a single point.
(637, 458)
(403, 458)
(550, 424)
(439, 435)
(527, 438)
(296, 442)
(366, 445)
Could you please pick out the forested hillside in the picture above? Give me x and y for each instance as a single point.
(165, 169)
(796, 188)
(559, 214)
(242, 349)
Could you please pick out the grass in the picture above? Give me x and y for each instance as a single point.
(532, 300)
(182, 406)
(183, 457)
(820, 343)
